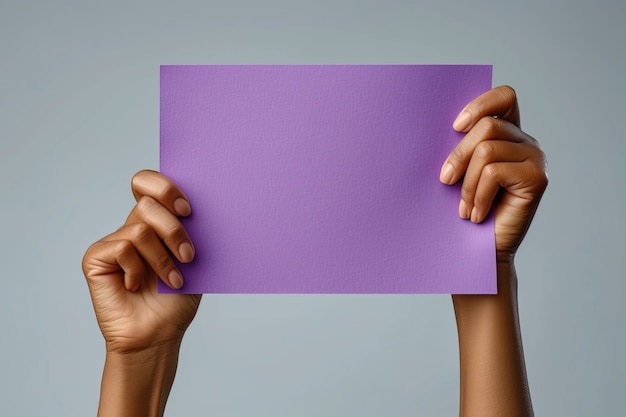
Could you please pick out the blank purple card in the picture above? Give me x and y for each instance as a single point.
(323, 178)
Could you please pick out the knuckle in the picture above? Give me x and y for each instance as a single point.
(508, 93)
(176, 231)
(124, 246)
(532, 141)
(136, 179)
(488, 126)
(485, 150)
(540, 177)
(87, 257)
(91, 257)
(146, 205)
(163, 262)
(457, 156)
(490, 171)
(540, 156)
(544, 181)
(537, 168)
(166, 192)
(142, 232)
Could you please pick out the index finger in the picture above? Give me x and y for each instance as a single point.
(500, 102)
(164, 190)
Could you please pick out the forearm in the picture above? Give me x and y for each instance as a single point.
(493, 373)
(137, 384)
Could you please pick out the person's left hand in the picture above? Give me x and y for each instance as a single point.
(500, 164)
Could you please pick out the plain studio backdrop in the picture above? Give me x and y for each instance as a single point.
(79, 114)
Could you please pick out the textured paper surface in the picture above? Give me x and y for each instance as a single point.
(323, 178)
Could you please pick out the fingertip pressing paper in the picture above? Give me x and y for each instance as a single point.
(323, 178)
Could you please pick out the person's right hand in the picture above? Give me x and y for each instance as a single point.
(122, 270)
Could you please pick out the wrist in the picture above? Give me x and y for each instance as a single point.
(505, 259)
(138, 383)
(144, 359)
(488, 309)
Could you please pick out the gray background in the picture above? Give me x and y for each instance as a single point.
(79, 115)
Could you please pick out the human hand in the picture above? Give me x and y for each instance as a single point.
(122, 270)
(498, 163)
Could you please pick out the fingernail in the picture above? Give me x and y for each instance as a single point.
(182, 207)
(462, 121)
(175, 279)
(463, 211)
(186, 252)
(447, 172)
(474, 215)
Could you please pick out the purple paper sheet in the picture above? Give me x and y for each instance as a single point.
(323, 178)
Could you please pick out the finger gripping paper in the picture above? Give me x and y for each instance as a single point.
(323, 178)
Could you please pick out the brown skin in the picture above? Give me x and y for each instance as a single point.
(142, 328)
(498, 163)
